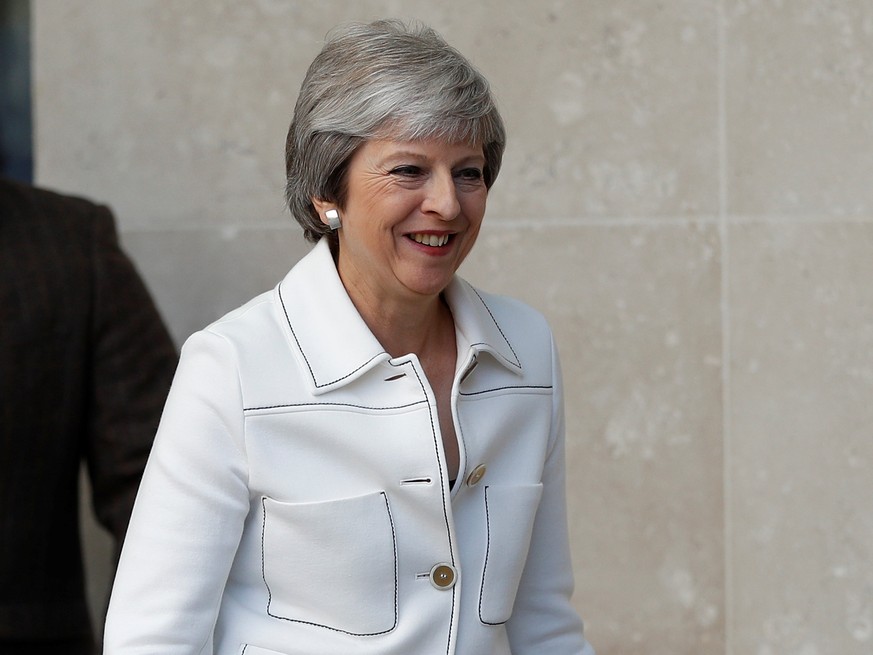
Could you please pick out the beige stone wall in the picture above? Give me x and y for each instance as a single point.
(687, 194)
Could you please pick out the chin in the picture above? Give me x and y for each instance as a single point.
(429, 287)
(426, 280)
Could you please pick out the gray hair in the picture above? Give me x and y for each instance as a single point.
(382, 80)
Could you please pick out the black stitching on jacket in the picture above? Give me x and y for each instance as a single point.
(306, 359)
(386, 408)
(319, 625)
(445, 509)
(485, 565)
(520, 386)
(517, 362)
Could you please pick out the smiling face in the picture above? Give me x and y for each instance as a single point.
(412, 213)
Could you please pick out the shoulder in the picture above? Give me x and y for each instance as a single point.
(21, 201)
(513, 315)
(242, 324)
(54, 224)
(511, 329)
(248, 350)
(514, 319)
(251, 332)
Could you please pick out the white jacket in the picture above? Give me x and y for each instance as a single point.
(296, 500)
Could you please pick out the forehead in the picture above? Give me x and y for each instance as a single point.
(423, 149)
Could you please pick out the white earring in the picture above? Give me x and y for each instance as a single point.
(333, 219)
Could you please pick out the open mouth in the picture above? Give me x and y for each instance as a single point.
(432, 240)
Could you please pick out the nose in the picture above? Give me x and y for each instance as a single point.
(441, 196)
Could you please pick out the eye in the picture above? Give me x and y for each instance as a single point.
(471, 174)
(406, 170)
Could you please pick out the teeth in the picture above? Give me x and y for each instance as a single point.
(431, 239)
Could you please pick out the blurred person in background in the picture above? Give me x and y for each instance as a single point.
(85, 367)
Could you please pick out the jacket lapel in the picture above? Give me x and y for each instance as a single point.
(335, 343)
(479, 326)
(325, 328)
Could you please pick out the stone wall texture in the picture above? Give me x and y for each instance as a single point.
(687, 195)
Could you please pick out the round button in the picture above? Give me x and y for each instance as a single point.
(443, 576)
(476, 475)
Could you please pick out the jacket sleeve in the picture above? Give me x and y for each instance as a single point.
(132, 360)
(189, 513)
(543, 619)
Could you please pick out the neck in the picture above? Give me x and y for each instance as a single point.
(422, 328)
(405, 322)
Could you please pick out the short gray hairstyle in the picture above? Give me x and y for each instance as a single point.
(382, 80)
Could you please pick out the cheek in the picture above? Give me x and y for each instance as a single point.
(474, 208)
(472, 235)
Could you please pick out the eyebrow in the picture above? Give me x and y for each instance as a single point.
(401, 154)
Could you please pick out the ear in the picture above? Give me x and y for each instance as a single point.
(321, 206)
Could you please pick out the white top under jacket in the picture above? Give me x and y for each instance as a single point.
(296, 500)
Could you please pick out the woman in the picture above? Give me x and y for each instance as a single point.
(369, 458)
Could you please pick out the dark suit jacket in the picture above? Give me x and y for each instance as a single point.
(85, 366)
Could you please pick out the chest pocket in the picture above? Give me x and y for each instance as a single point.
(332, 564)
(510, 512)
(248, 649)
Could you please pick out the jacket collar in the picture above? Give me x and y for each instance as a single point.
(336, 345)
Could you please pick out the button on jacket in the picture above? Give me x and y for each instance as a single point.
(297, 501)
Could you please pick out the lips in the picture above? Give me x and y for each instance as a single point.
(432, 240)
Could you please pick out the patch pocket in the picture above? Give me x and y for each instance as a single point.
(509, 514)
(332, 564)
(248, 649)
